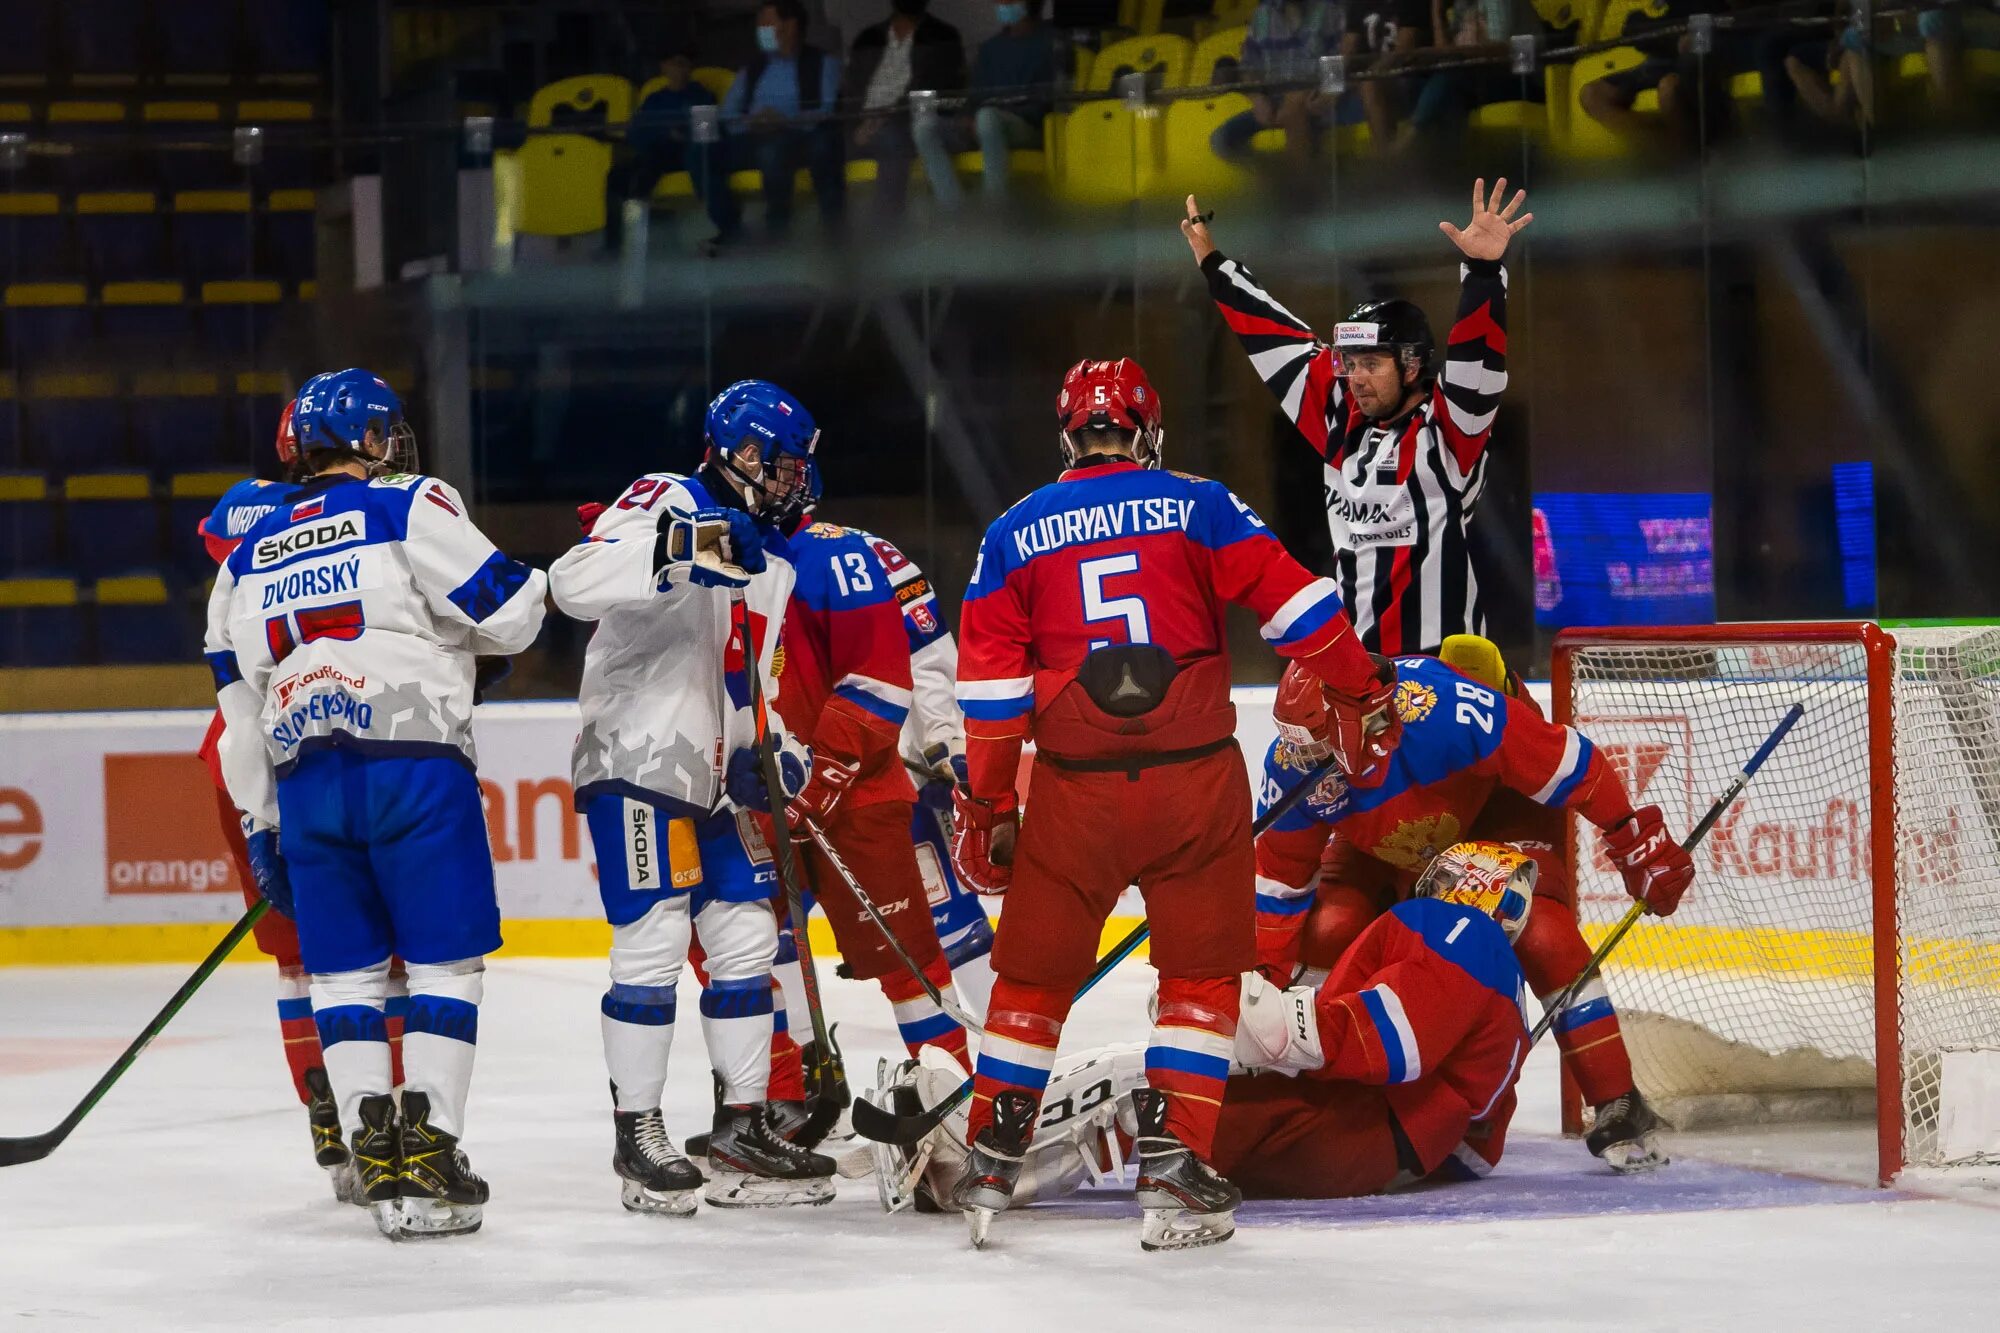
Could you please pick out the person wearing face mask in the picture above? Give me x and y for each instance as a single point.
(908, 50)
(1013, 80)
(777, 118)
(1404, 442)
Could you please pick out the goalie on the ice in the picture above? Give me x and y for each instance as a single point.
(1398, 1067)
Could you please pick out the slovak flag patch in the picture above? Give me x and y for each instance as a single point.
(308, 509)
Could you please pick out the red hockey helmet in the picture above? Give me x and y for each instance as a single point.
(1110, 394)
(288, 443)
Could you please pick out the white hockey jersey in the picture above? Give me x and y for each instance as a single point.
(935, 718)
(664, 699)
(351, 616)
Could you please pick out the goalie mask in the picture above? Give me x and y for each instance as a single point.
(1490, 877)
(760, 444)
(1109, 395)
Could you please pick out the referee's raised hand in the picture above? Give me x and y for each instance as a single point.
(1195, 227)
(1486, 236)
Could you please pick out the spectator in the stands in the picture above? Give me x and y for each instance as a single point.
(909, 49)
(1695, 106)
(1942, 35)
(1471, 29)
(1013, 85)
(660, 136)
(777, 118)
(1285, 40)
(1381, 36)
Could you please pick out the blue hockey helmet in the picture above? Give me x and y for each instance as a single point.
(355, 412)
(758, 413)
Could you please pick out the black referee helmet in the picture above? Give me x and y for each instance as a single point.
(1389, 326)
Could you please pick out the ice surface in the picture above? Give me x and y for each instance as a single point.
(189, 1200)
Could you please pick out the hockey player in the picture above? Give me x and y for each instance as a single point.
(1404, 442)
(342, 633)
(1398, 1067)
(668, 779)
(1094, 624)
(1356, 845)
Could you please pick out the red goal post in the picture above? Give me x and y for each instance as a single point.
(1850, 909)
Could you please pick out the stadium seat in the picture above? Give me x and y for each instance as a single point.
(28, 54)
(148, 316)
(112, 522)
(121, 233)
(236, 317)
(10, 423)
(562, 185)
(92, 141)
(1577, 134)
(714, 78)
(44, 319)
(190, 498)
(291, 233)
(34, 236)
(41, 623)
(27, 523)
(212, 233)
(1222, 49)
(137, 621)
(198, 41)
(1163, 58)
(1109, 156)
(1190, 164)
(582, 103)
(1233, 12)
(261, 396)
(103, 39)
(179, 422)
(1141, 16)
(75, 420)
(288, 155)
(1613, 15)
(207, 167)
(288, 40)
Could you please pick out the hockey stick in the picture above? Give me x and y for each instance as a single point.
(13, 1152)
(874, 913)
(1688, 844)
(872, 1122)
(826, 1073)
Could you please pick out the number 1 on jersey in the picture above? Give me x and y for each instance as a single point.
(1098, 608)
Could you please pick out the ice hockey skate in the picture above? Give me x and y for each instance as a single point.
(987, 1186)
(440, 1194)
(654, 1176)
(1185, 1202)
(1626, 1135)
(378, 1161)
(753, 1165)
(323, 1118)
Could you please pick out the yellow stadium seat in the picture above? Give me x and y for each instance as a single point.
(1511, 118)
(263, 111)
(1579, 135)
(1163, 53)
(201, 485)
(562, 184)
(1615, 14)
(181, 113)
(582, 96)
(1110, 153)
(1217, 46)
(1233, 11)
(1141, 16)
(716, 79)
(1191, 166)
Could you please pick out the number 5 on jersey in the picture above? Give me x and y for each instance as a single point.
(1097, 608)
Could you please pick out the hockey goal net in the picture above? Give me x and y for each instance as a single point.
(1839, 953)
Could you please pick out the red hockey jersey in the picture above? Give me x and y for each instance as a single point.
(844, 679)
(1113, 553)
(1430, 1004)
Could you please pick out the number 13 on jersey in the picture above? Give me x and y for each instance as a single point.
(1098, 608)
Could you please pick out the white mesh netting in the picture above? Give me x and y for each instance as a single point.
(1756, 999)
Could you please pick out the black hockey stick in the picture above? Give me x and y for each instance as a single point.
(1688, 844)
(873, 1122)
(13, 1152)
(826, 1074)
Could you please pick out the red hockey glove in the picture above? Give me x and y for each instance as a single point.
(1656, 871)
(1364, 729)
(832, 775)
(982, 843)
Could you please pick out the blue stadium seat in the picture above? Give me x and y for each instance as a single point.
(27, 523)
(288, 39)
(260, 398)
(212, 234)
(76, 421)
(28, 53)
(208, 164)
(153, 316)
(290, 233)
(138, 621)
(93, 140)
(178, 422)
(235, 318)
(44, 319)
(41, 623)
(287, 123)
(34, 236)
(104, 39)
(111, 522)
(198, 39)
(191, 495)
(121, 233)
(10, 424)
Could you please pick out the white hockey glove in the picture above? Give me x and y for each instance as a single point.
(710, 548)
(1277, 1031)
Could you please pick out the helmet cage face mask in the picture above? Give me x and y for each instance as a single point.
(771, 478)
(1493, 878)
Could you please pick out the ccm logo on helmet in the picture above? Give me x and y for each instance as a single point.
(331, 532)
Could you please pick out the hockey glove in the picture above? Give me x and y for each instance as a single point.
(744, 778)
(982, 843)
(1655, 869)
(267, 866)
(713, 548)
(1277, 1031)
(832, 775)
(951, 774)
(1364, 729)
